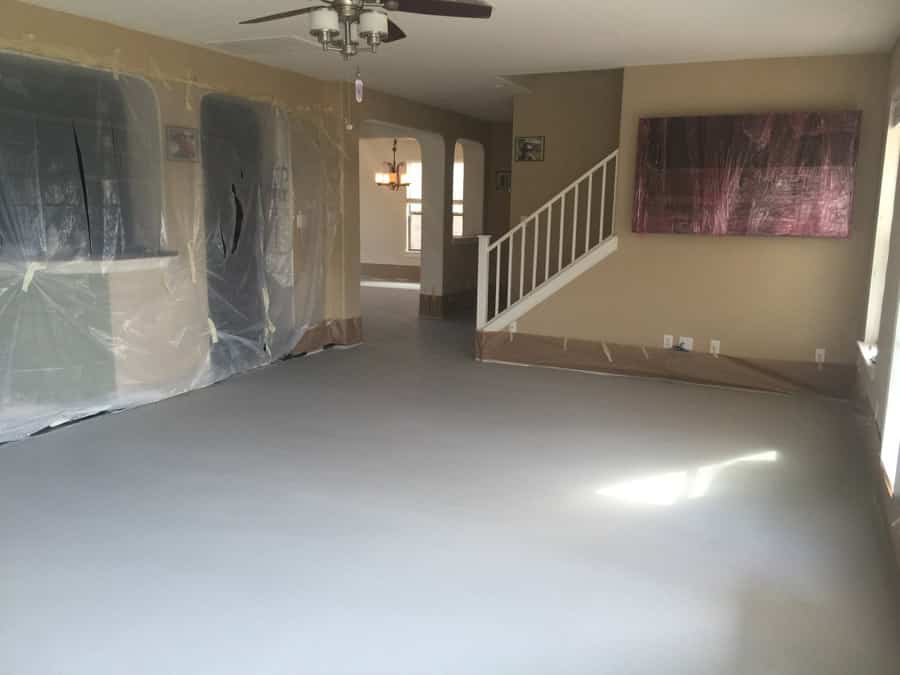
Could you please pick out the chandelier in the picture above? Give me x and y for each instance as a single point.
(395, 178)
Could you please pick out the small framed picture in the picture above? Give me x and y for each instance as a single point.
(182, 144)
(503, 181)
(529, 148)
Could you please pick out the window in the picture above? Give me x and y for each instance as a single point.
(414, 204)
(79, 163)
(458, 220)
(883, 234)
(414, 207)
(459, 182)
(414, 227)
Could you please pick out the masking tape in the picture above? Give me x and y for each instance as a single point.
(193, 262)
(213, 332)
(607, 352)
(646, 354)
(115, 63)
(33, 267)
(271, 328)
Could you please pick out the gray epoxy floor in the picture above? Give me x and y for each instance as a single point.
(398, 509)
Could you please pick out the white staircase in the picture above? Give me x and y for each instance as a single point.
(549, 249)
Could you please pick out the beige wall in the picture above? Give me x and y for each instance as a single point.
(578, 114)
(498, 158)
(762, 297)
(382, 212)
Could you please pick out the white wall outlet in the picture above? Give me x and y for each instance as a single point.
(715, 347)
(668, 341)
(686, 343)
(820, 356)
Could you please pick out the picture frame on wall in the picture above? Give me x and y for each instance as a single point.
(503, 181)
(530, 148)
(182, 144)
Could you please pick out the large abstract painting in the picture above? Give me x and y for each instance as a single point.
(779, 174)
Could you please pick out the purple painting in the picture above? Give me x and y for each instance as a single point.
(779, 174)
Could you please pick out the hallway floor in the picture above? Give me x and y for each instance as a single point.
(398, 509)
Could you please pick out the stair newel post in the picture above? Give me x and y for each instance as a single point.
(484, 266)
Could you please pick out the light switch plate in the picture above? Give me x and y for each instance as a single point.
(715, 347)
(820, 356)
(668, 341)
(686, 343)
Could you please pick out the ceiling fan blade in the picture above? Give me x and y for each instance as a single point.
(465, 9)
(281, 15)
(394, 32)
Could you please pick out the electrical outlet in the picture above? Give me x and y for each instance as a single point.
(715, 347)
(668, 342)
(820, 356)
(686, 343)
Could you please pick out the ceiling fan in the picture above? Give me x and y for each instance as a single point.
(341, 26)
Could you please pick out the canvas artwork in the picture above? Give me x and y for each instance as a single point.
(778, 174)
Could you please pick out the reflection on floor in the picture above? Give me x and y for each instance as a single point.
(399, 509)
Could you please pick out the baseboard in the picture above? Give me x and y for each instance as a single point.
(405, 273)
(330, 332)
(446, 306)
(785, 377)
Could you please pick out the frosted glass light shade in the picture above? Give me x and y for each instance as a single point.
(373, 22)
(324, 23)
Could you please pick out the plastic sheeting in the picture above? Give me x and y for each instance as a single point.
(127, 277)
(780, 174)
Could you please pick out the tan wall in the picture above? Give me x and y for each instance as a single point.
(579, 115)
(181, 75)
(762, 297)
(382, 212)
(498, 158)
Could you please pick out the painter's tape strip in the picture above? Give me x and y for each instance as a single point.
(188, 90)
(646, 354)
(213, 332)
(193, 262)
(32, 269)
(607, 352)
(115, 63)
(271, 328)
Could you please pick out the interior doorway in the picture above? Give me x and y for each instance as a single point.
(390, 210)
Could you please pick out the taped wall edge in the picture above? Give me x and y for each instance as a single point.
(784, 377)
(332, 332)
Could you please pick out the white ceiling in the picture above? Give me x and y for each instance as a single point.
(455, 63)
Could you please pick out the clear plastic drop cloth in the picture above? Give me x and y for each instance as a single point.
(155, 237)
